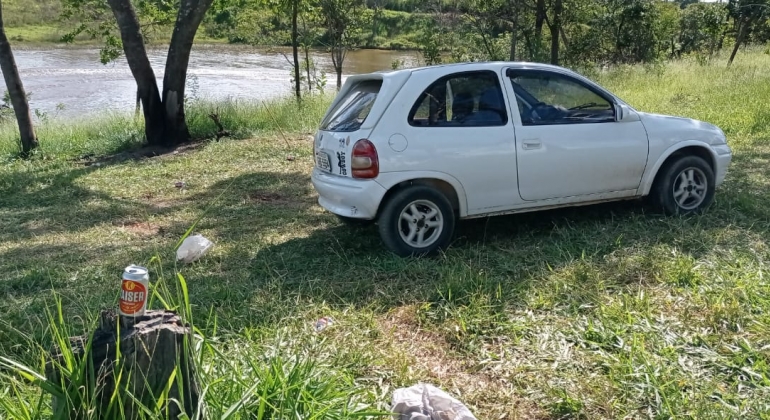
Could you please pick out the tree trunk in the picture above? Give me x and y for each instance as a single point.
(514, 30)
(514, 41)
(338, 57)
(152, 347)
(306, 52)
(189, 18)
(307, 69)
(339, 78)
(136, 55)
(16, 91)
(528, 42)
(295, 48)
(555, 29)
(539, 21)
(738, 41)
(164, 116)
(564, 39)
(138, 104)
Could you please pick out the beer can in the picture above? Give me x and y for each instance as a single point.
(134, 290)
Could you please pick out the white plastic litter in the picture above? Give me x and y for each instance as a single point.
(323, 323)
(193, 248)
(426, 402)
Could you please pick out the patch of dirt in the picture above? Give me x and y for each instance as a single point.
(158, 204)
(162, 204)
(488, 397)
(267, 197)
(142, 229)
(278, 199)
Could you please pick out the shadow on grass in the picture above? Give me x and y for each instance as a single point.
(277, 253)
(284, 252)
(50, 200)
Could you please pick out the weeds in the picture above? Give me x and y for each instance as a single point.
(113, 133)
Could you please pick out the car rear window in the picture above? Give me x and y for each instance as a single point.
(465, 99)
(351, 112)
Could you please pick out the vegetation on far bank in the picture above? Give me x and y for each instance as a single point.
(625, 31)
(599, 312)
(39, 22)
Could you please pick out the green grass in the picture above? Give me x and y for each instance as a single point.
(607, 311)
(116, 132)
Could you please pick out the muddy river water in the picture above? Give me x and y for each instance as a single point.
(72, 83)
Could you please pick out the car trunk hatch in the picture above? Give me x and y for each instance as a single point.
(351, 117)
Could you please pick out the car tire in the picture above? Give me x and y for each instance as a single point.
(353, 222)
(685, 186)
(431, 226)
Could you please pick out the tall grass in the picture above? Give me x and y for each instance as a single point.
(737, 99)
(291, 378)
(115, 132)
(30, 12)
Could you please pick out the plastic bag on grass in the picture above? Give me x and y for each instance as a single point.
(426, 402)
(193, 248)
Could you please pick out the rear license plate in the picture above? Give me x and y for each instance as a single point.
(323, 162)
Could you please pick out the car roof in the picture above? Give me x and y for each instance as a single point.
(495, 65)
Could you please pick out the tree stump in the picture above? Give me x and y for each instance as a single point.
(153, 347)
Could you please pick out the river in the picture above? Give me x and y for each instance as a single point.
(69, 82)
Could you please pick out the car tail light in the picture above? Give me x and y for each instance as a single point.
(364, 161)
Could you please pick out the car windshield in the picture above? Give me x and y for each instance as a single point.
(351, 112)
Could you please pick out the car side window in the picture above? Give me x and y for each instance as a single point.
(469, 99)
(549, 98)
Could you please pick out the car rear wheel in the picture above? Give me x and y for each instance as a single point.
(686, 186)
(417, 221)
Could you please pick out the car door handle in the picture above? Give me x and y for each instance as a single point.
(531, 144)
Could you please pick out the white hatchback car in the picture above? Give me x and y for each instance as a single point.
(415, 150)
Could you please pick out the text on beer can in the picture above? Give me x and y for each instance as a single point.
(133, 291)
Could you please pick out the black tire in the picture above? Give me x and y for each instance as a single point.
(394, 230)
(689, 200)
(354, 223)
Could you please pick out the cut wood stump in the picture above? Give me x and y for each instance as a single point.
(153, 347)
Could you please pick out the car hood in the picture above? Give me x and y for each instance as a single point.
(681, 129)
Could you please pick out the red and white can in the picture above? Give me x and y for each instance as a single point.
(134, 290)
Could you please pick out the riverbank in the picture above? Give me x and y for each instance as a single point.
(606, 311)
(111, 133)
(37, 35)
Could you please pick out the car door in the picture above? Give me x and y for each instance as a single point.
(458, 124)
(569, 140)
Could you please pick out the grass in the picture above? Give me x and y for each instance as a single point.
(600, 312)
(116, 132)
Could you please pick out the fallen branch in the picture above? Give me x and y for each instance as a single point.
(222, 132)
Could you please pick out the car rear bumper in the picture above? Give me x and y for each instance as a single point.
(724, 157)
(356, 198)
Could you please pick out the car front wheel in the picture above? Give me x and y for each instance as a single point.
(686, 186)
(417, 221)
